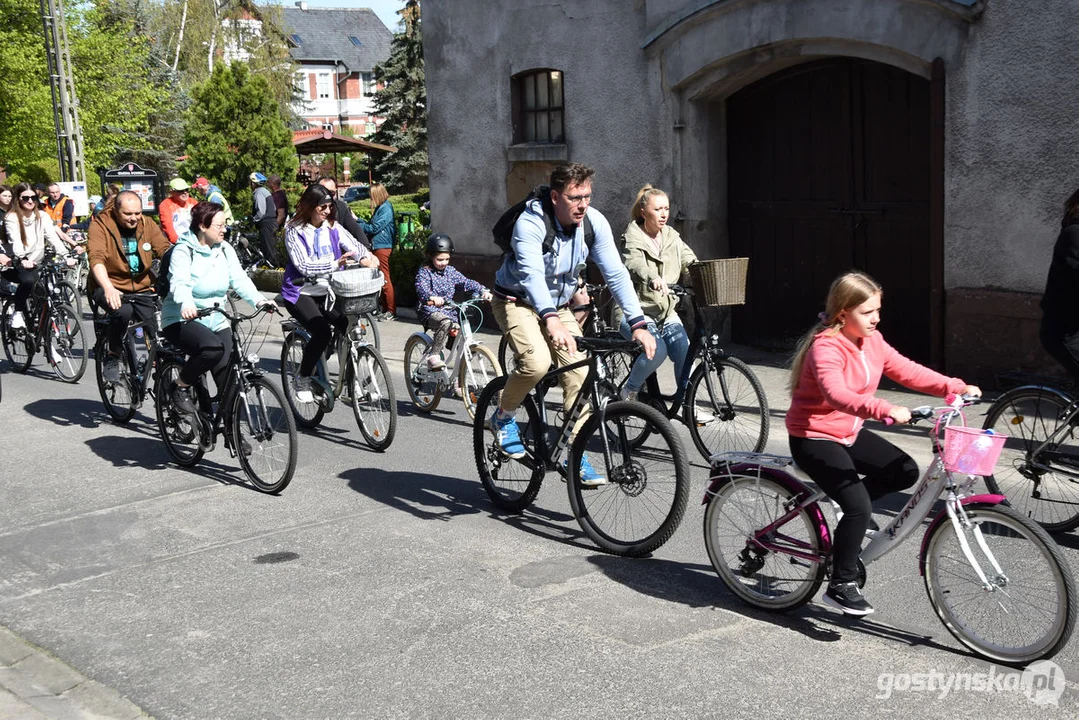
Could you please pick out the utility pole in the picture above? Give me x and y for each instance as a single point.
(65, 106)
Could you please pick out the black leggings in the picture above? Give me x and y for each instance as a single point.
(836, 469)
(206, 350)
(319, 324)
(141, 308)
(26, 280)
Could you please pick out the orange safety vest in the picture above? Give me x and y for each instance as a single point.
(57, 213)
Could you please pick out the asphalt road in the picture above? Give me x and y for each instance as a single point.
(386, 585)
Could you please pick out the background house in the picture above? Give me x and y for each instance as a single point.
(929, 142)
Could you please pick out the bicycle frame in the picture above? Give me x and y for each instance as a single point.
(461, 351)
(143, 378)
(337, 345)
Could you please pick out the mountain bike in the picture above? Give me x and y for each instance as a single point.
(359, 376)
(251, 415)
(52, 326)
(136, 362)
(1039, 466)
(996, 580)
(647, 488)
(722, 401)
(470, 362)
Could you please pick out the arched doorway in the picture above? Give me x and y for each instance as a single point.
(830, 167)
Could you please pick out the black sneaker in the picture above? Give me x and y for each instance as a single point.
(848, 598)
(183, 400)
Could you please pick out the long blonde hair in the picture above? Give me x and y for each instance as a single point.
(636, 213)
(848, 291)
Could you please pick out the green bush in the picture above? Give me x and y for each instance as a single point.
(405, 262)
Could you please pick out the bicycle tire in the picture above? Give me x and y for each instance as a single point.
(1028, 416)
(505, 355)
(65, 344)
(1035, 584)
(260, 419)
(367, 327)
(512, 485)
(119, 399)
(306, 415)
(424, 392)
(373, 400)
(18, 344)
(740, 420)
(475, 374)
(741, 505)
(658, 492)
(69, 294)
(178, 430)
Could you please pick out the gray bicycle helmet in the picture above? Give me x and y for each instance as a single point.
(439, 243)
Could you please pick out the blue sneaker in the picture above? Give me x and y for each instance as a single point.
(509, 435)
(588, 475)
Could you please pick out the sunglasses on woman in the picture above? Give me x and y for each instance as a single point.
(27, 198)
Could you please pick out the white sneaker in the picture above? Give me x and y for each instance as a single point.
(302, 388)
(17, 321)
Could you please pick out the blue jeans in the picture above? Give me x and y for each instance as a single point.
(671, 341)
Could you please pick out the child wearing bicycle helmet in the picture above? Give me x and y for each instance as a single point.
(834, 379)
(436, 282)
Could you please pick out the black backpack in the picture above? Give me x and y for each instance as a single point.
(161, 282)
(503, 229)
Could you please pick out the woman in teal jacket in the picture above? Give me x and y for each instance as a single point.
(381, 230)
(202, 268)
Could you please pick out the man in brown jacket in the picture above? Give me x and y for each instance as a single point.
(122, 245)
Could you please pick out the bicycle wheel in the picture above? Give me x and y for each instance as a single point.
(309, 414)
(119, 397)
(423, 388)
(742, 505)
(65, 346)
(1042, 486)
(479, 370)
(367, 330)
(505, 356)
(18, 343)
(511, 484)
(643, 501)
(68, 294)
(373, 401)
(732, 414)
(1027, 613)
(178, 429)
(264, 435)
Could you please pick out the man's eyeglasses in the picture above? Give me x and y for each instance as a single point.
(578, 199)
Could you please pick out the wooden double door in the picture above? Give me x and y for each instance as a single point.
(829, 169)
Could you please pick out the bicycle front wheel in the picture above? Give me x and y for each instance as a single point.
(373, 401)
(1042, 485)
(475, 373)
(511, 484)
(726, 408)
(68, 294)
(307, 414)
(367, 330)
(66, 344)
(119, 397)
(264, 436)
(1026, 609)
(424, 389)
(18, 344)
(643, 501)
(766, 578)
(178, 429)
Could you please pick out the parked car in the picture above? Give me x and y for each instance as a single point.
(357, 192)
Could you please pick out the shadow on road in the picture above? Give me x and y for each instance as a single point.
(69, 411)
(415, 492)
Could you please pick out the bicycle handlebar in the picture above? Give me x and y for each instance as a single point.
(953, 402)
(237, 317)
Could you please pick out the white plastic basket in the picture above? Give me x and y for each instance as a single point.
(354, 282)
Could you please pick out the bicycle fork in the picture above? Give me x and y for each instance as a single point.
(961, 523)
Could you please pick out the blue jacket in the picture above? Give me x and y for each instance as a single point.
(201, 276)
(380, 230)
(547, 282)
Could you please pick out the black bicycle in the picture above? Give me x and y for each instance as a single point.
(52, 326)
(643, 501)
(245, 240)
(251, 414)
(123, 396)
(722, 401)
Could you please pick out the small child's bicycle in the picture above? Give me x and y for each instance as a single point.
(996, 580)
(470, 363)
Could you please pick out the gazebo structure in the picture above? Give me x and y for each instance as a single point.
(319, 142)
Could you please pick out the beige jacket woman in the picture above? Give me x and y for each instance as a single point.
(647, 261)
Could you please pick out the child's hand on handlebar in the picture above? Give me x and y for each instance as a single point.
(486, 296)
(973, 391)
(899, 415)
(436, 301)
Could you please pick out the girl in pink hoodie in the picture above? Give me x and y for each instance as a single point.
(834, 377)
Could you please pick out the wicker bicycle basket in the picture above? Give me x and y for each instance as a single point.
(354, 282)
(720, 282)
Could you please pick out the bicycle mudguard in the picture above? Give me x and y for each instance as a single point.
(795, 486)
(986, 499)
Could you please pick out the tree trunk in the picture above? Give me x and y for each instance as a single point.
(180, 39)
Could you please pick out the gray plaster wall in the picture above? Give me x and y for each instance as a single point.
(1012, 143)
(616, 117)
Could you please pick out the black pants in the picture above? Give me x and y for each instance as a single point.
(268, 236)
(26, 280)
(836, 469)
(141, 309)
(319, 324)
(207, 350)
(1063, 345)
